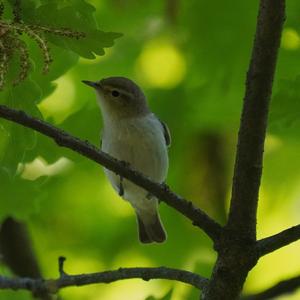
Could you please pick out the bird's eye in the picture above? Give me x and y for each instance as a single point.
(115, 93)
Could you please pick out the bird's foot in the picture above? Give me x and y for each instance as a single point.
(121, 187)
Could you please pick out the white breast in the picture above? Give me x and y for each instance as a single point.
(141, 143)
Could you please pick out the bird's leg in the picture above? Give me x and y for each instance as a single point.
(121, 188)
(165, 187)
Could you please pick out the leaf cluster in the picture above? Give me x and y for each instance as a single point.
(11, 42)
(35, 36)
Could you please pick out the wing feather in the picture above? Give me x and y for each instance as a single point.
(166, 132)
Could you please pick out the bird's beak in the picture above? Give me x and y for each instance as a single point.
(95, 85)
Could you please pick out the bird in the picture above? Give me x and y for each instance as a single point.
(133, 134)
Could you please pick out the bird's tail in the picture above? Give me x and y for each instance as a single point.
(151, 229)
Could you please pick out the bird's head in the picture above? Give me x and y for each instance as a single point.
(120, 97)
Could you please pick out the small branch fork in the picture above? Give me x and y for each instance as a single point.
(278, 240)
(65, 280)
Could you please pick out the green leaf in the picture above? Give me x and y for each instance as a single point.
(18, 139)
(62, 62)
(78, 17)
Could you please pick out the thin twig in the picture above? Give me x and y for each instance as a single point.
(61, 261)
(278, 240)
(161, 191)
(53, 285)
(283, 287)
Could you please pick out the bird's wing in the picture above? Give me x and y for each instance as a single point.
(166, 131)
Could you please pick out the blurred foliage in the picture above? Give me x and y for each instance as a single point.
(191, 57)
(166, 297)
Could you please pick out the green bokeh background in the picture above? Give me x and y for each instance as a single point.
(191, 58)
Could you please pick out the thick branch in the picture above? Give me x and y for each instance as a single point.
(237, 254)
(250, 147)
(283, 287)
(161, 191)
(53, 285)
(278, 240)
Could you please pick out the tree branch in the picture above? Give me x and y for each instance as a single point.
(161, 191)
(237, 253)
(53, 285)
(278, 240)
(283, 287)
(250, 146)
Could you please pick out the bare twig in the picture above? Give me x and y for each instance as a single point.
(61, 261)
(283, 287)
(278, 240)
(53, 285)
(161, 191)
